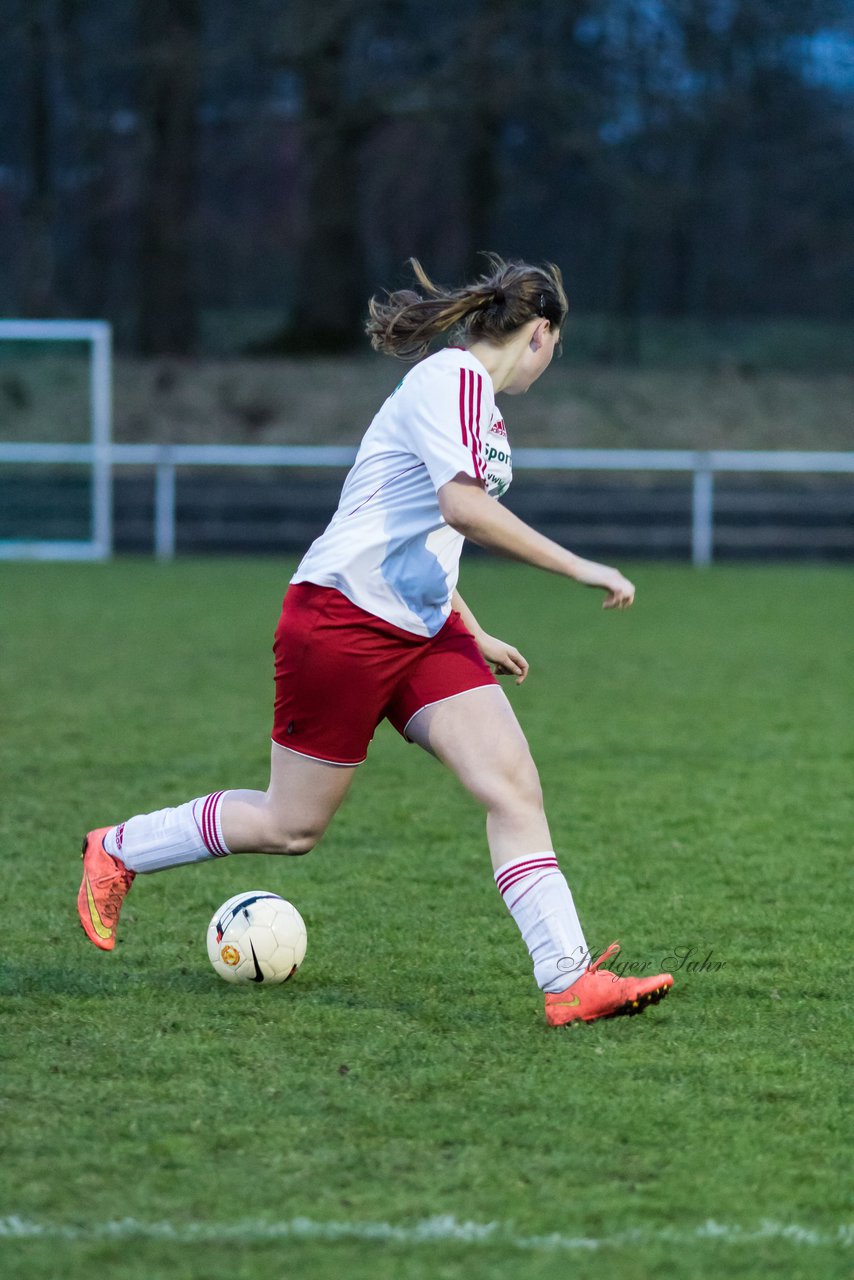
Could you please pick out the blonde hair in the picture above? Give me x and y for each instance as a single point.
(492, 308)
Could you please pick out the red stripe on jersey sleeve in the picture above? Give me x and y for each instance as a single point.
(463, 406)
(471, 399)
(479, 459)
(475, 423)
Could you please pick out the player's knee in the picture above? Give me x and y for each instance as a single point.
(292, 842)
(296, 846)
(529, 791)
(517, 788)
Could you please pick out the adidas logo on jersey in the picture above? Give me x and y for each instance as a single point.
(499, 465)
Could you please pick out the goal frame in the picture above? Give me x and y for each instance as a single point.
(97, 453)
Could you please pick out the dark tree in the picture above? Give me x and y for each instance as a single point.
(336, 117)
(329, 294)
(158, 157)
(169, 91)
(37, 267)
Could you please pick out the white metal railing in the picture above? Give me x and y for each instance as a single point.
(702, 465)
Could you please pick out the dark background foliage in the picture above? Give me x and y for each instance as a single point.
(160, 159)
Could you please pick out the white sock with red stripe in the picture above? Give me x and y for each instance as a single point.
(170, 837)
(540, 902)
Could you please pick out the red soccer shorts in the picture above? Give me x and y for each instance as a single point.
(340, 671)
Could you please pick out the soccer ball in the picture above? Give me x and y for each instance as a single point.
(256, 937)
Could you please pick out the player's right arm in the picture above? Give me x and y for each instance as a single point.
(467, 507)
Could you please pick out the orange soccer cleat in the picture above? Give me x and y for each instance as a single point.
(599, 993)
(102, 891)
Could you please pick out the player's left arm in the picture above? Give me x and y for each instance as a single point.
(504, 659)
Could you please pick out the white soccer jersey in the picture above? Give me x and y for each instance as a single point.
(387, 548)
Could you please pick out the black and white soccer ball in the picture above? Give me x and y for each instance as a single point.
(256, 937)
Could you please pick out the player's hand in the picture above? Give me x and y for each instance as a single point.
(619, 592)
(503, 658)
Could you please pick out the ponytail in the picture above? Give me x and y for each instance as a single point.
(405, 322)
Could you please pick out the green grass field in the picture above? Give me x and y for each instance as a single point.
(400, 1109)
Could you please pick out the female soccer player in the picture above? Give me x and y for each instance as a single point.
(373, 628)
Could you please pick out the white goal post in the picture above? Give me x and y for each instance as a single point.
(96, 454)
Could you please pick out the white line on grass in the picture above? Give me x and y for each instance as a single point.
(440, 1229)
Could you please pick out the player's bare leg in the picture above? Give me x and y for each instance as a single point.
(294, 811)
(480, 740)
(478, 737)
(289, 817)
